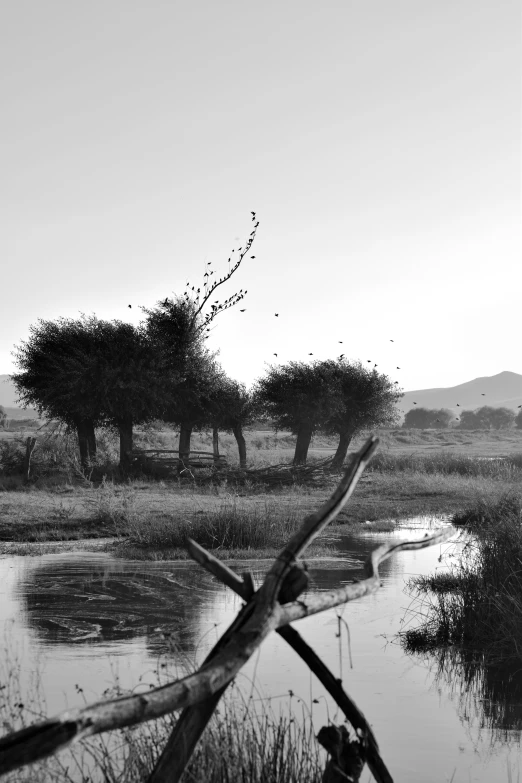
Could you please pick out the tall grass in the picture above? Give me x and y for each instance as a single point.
(241, 742)
(448, 463)
(478, 605)
(228, 526)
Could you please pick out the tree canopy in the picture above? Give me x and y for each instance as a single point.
(332, 396)
(428, 418)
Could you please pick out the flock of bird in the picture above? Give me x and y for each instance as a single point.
(216, 307)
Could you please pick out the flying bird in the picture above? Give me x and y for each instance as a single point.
(483, 395)
(130, 306)
(275, 354)
(341, 356)
(310, 354)
(341, 342)
(458, 405)
(457, 419)
(392, 341)
(369, 361)
(276, 315)
(243, 311)
(415, 403)
(375, 365)
(519, 406)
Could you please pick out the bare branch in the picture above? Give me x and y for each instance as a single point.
(232, 300)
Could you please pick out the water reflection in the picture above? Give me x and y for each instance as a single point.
(101, 600)
(488, 695)
(76, 611)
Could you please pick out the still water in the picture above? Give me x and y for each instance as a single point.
(84, 619)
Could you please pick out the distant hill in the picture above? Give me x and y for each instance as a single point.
(500, 391)
(8, 401)
(7, 393)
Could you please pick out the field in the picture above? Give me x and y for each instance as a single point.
(414, 473)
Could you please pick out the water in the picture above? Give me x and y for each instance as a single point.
(83, 619)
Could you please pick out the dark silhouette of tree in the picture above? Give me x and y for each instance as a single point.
(48, 362)
(427, 418)
(178, 328)
(3, 417)
(368, 399)
(496, 418)
(487, 418)
(518, 420)
(298, 397)
(90, 373)
(175, 330)
(233, 407)
(328, 396)
(469, 421)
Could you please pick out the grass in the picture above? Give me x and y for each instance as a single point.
(243, 741)
(478, 605)
(150, 519)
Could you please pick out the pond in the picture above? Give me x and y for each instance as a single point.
(84, 619)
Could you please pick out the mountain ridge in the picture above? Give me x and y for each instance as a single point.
(501, 390)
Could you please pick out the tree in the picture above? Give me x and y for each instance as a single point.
(232, 408)
(518, 420)
(427, 418)
(175, 330)
(368, 399)
(178, 326)
(89, 373)
(301, 398)
(469, 420)
(3, 417)
(497, 418)
(487, 418)
(47, 360)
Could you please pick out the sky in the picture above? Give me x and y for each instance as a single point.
(378, 142)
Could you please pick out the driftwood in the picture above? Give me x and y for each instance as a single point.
(198, 694)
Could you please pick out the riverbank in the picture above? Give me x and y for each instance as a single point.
(150, 520)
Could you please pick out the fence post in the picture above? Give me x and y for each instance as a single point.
(30, 443)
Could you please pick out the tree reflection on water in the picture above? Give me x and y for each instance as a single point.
(488, 693)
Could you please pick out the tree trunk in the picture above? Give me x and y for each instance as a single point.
(241, 446)
(86, 442)
(345, 438)
(125, 429)
(215, 444)
(185, 433)
(304, 436)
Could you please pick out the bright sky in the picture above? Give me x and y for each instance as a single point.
(379, 143)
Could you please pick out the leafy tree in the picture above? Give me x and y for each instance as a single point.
(497, 418)
(368, 399)
(298, 397)
(3, 417)
(178, 326)
(329, 396)
(427, 418)
(46, 362)
(175, 330)
(232, 408)
(487, 418)
(89, 373)
(469, 421)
